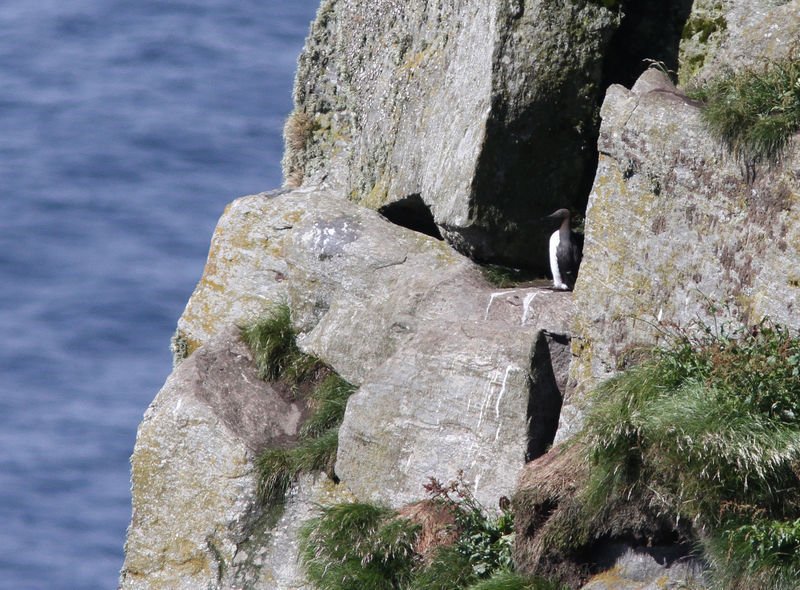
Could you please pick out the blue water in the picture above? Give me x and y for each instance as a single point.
(126, 126)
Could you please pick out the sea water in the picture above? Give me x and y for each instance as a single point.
(126, 126)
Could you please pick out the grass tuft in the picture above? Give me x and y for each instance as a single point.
(279, 467)
(507, 580)
(276, 355)
(329, 400)
(275, 352)
(355, 546)
(754, 112)
(504, 277)
(707, 433)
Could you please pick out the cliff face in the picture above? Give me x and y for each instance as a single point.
(454, 375)
(464, 121)
(677, 233)
(483, 111)
(678, 230)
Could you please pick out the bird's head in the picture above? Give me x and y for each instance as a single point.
(558, 215)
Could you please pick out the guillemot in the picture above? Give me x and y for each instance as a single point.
(566, 251)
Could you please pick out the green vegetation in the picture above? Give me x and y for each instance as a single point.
(279, 467)
(277, 357)
(503, 277)
(703, 28)
(275, 353)
(707, 435)
(506, 580)
(484, 543)
(355, 546)
(329, 400)
(756, 111)
(319, 441)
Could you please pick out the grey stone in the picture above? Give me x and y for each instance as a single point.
(317, 252)
(646, 568)
(454, 373)
(485, 111)
(197, 520)
(677, 234)
(269, 558)
(458, 396)
(194, 486)
(245, 272)
(725, 35)
(393, 311)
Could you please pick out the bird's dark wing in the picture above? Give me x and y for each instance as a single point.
(570, 254)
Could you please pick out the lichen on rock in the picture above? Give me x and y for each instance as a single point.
(379, 84)
(711, 246)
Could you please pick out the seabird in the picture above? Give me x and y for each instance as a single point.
(566, 251)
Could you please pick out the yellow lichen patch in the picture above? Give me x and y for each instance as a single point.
(294, 216)
(328, 130)
(415, 60)
(146, 465)
(186, 556)
(444, 253)
(612, 578)
(376, 197)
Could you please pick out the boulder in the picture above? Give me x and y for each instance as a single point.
(678, 234)
(734, 34)
(194, 488)
(315, 252)
(646, 568)
(393, 310)
(245, 272)
(458, 396)
(482, 113)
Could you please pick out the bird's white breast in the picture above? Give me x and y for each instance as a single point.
(555, 239)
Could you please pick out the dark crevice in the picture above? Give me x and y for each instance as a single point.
(412, 213)
(551, 357)
(650, 31)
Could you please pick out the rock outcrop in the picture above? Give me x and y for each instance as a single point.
(483, 113)
(197, 520)
(725, 35)
(432, 344)
(454, 374)
(676, 233)
(465, 121)
(462, 393)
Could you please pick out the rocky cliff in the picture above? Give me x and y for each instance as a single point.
(426, 138)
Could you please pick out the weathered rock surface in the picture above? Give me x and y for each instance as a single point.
(314, 251)
(482, 110)
(454, 373)
(268, 558)
(244, 273)
(735, 34)
(646, 568)
(480, 115)
(194, 486)
(459, 395)
(676, 233)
